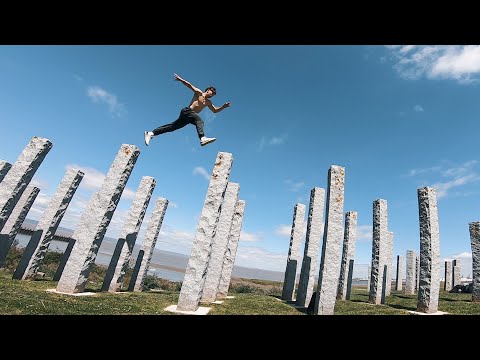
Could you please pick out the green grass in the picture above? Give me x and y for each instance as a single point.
(30, 297)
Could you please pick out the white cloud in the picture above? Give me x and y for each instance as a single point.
(364, 232)
(77, 77)
(459, 62)
(256, 257)
(283, 230)
(249, 237)
(454, 175)
(272, 141)
(201, 171)
(418, 108)
(99, 95)
(294, 186)
(175, 240)
(465, 263)
(40, 183)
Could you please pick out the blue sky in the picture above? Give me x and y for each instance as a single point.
(396, 117)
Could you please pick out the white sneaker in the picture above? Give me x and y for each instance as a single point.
(204, 140)
(147, 137)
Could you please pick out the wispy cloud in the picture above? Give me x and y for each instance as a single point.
(78, 77)
(43, 185)
(271, 141)
(454, 176)
(459, 62)
(202, 172)
(283, 230)
(249, 237)
(100, 95)
(294, 185)
(364, 233)
(176, 240)
(256, 257)
(418, 108)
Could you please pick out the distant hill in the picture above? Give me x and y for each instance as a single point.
(162, 258)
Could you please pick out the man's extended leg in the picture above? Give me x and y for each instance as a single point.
(177, 124)
(196, 120)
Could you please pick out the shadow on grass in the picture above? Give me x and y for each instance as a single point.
(401, 307)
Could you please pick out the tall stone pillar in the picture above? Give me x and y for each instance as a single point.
(379, 250)
(349, 238)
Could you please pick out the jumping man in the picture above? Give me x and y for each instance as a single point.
(189, 114)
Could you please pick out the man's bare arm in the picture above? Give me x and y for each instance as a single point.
(187, 84)
(217, 109)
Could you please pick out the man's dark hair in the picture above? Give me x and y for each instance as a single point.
(211, 88)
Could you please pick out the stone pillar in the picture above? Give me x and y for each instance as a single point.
(93, 224)
(4, 167)
(389, 262)
(348, 253)
(229, 259)
(400, 272)
(288, 292)
(349, 279)
(447, 286)
(18, 177)
(411, 274)
(119, 262)
(40, 240)
(154, 225)
(369, 273)
(64, 259)
(417, 279)
(456, 273)
(379, 250)
(332, 242)
(195, 274)
(15, 221)
(429, 284)
(219, 243)
(474, 228)
(310, 252)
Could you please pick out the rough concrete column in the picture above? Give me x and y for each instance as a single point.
(348, 253)
(41, 238)
(429, 284)
(4, 167)
(195, 274)
(229, 259)
(369, 273)
(447, 285)
(456, 273)
(400, 272)
(332, 242)
(312, 242)
(154, 225)
(417, 279)
(119, 262)
(474, 228)
(15, 221)
(349, 279)
(219, 243)
(293, 258)
(18, 177)
(379, 250)
(389, 262)
(93, 224)
(411, 274)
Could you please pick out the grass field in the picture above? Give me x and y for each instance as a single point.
(31, 297)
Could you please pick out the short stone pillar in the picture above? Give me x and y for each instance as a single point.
(389, 262)
(400, 272)
(94, 221)
(349, 279)
(447, 285)
(417, 279)
(229, 259)
(474, 228)
(195, 273)
(312, 242)
(348, 253)
(332, 241)
(43, 234)
(411, 275)
(293, 258)
(219, 243)
(429, 284)
(4, 167)
(146, 252)
(119, 262)
(18, 177)
(15, 221)
(456, 273)
(379, 250)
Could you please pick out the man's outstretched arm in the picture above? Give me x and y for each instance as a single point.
(217, 109)
(187, 84)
